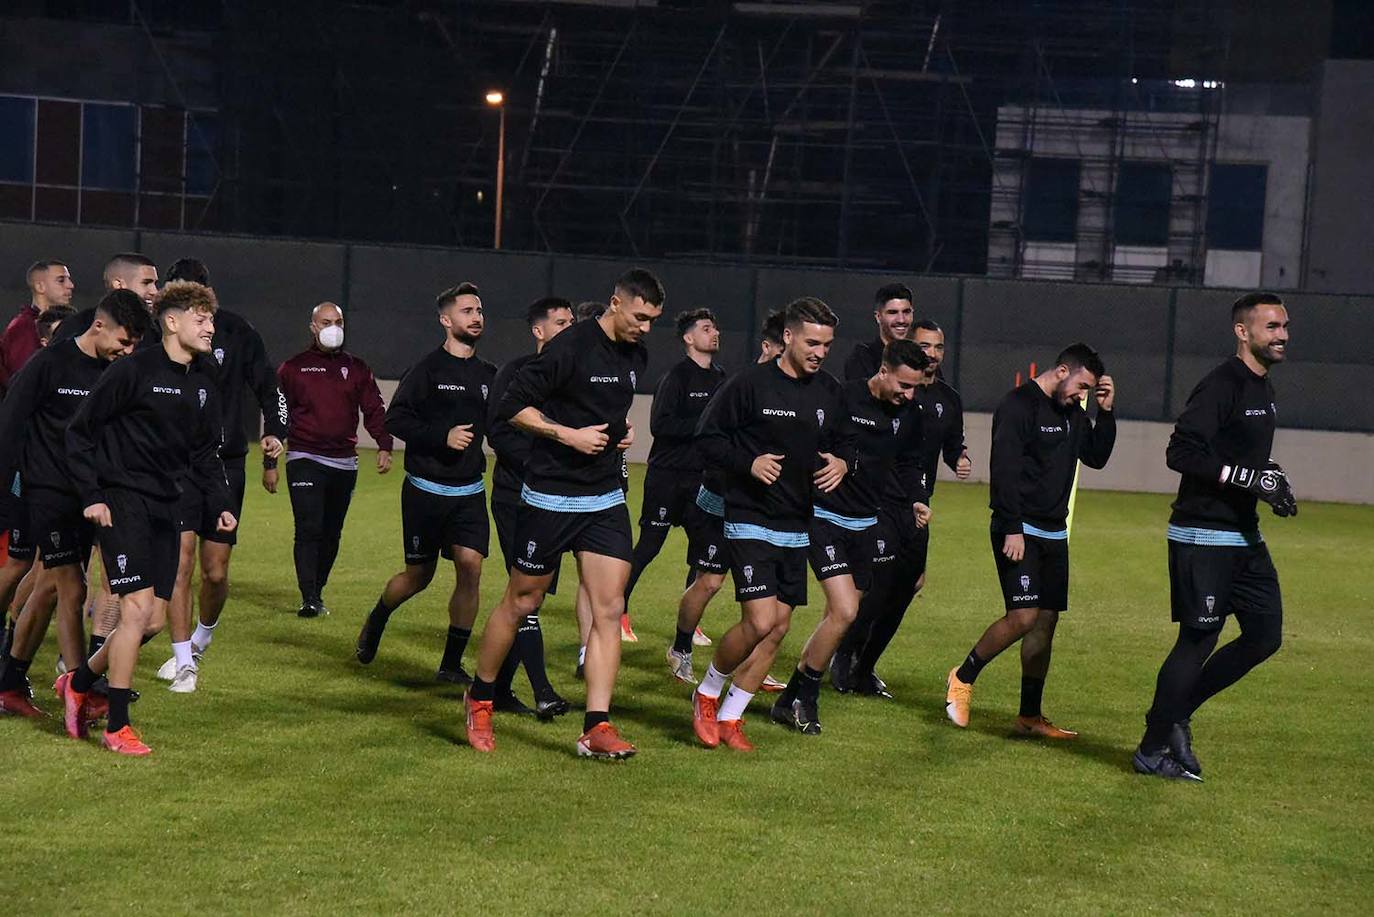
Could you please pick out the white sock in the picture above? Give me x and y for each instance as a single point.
(713, 683)
(581, 655)
(203, 635)
(182, 653)
(733, 707)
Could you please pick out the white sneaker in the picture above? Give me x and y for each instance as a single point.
(185, 681)
(680, 665)
(700, 639)
(168, 670)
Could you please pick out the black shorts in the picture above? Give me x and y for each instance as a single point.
(1040, 579)
(197, 517)
(21, 541)
(504, 512)
(433, 524)
(1207, 583)
(62, 534)
(142, 547)
(667, 494)
(762, 570)
(542, 535)
(836, 551)
(707, 549)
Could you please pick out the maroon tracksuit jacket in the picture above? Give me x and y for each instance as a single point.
(325, 392)
(18, 342)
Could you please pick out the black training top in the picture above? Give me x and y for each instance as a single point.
(942, 429)
(434, 396)
(149, 424)
(678, 404)
(510, 443)
(763, 410)
(1229, 420)
(864, 359)
(238, 359)
(886, 466)
(43, 398)
(581, 378)
(1036, 445)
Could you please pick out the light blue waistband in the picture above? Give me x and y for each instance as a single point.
(845, 522)
(447, 490)
(1214, 538)
(1060, 535)
(557, 503)
(712, 503)
(744, 531)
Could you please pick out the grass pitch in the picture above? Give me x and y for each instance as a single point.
(297, 781)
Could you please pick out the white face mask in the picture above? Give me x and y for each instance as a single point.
(331, 337)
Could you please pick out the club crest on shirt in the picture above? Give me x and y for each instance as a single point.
(201, 393)
(939, 409)
(896, 425)
(820, 416)
(121, 562)
(1025, 583)
(484, 392)
(529, 549)
(748, 572)
(1210, 602)
(830, 551)
(343, 371)
(219, 355)
(633, 382)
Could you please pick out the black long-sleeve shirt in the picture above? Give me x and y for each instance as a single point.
(763, 410)
(581, 378)
(238, 359)
(864, 359)
(43, 398)
(511, 444)
(150, 425)
(437, 394)
(678, 404)
(1229, 420)
(886, 466)
(1036, 445)
(942, 429)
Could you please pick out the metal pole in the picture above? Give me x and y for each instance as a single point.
(500, 173)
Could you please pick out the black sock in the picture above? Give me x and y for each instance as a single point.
(12, 672)
(794, 685)
(968, 672)
(594, 719)
(1032, 690)
(810, 681)
(482, 690)
(83, 678)
(454, 646)
(529, 639)
(506, 675)
(119, 709)
(380, 614)
(1157, 733)
(93, 645)
(682, 642)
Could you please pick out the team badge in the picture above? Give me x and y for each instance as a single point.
(484, 392)
(748, 573)
(882, 546)
(529, 549)
(939, 409)
(896, 424)
(55, 538)
(415, 543)
(343, 371)
(710, 552)
(219, 355)
(820, 416)
(122, 561)
(1025, 583)
(830, 552)
(633, 381)
(1211, 602)
(201, 393)
(662, 513)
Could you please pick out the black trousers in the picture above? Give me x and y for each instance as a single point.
(894, 586)
(319, 502)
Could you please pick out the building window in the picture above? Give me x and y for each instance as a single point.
(1235, 206)
(1143, 193)
(1050, 200)
(16, 157)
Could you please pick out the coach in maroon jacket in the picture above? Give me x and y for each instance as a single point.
(326, 388)
(50, 284)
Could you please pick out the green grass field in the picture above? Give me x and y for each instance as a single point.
(297, 781)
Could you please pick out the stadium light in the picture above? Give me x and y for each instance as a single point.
(497, 99)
